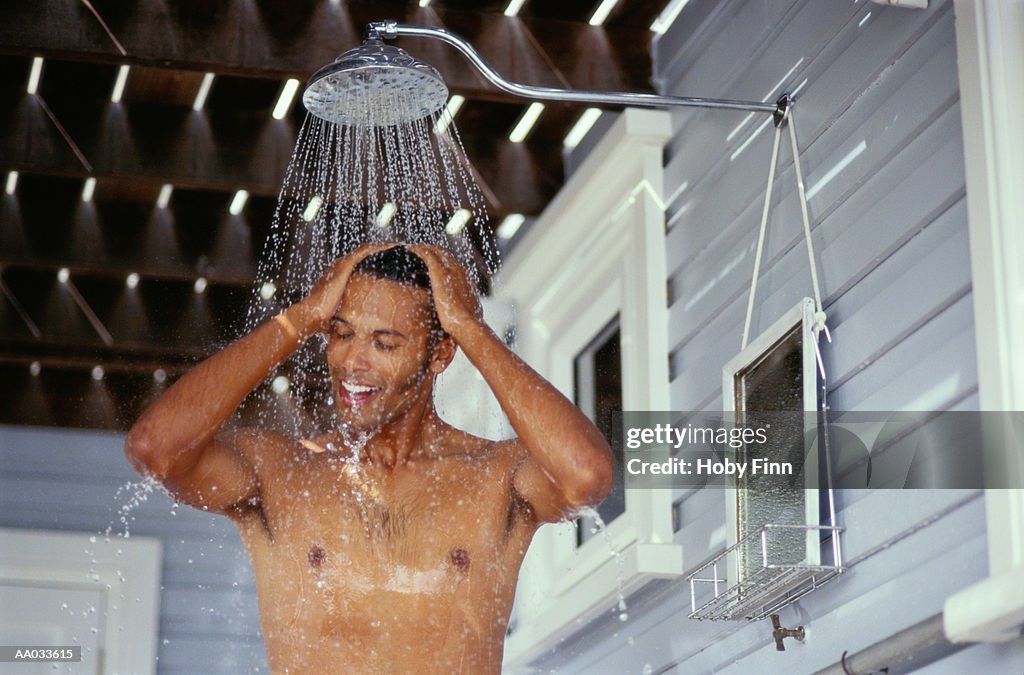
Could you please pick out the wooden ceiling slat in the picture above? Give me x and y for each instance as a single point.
(163, 86)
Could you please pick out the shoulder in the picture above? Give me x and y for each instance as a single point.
(505, 457)
(259, 447)
(497, 464)
(460, 443)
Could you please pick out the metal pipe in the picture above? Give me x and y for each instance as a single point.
(890, 651)
(391, 30)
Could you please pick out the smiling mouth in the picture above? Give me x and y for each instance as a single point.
(356, 395)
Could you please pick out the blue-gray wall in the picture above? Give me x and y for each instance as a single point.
(878, 109)
(78, 481)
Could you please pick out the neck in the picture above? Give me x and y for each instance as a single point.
(409, 436)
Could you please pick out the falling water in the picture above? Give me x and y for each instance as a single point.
(347, 185)
(344, 186)
(620, 571)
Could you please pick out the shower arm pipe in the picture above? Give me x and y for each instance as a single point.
(390, 30)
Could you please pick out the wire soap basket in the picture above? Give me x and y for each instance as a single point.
(725, 588)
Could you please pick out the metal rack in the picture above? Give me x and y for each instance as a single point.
(716, 595)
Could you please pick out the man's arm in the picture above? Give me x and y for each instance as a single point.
(569, 464)
(179, 439)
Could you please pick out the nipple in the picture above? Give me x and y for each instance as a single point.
(316, 557)
(460, 559)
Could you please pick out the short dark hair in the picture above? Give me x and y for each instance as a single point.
(397, 264)
(402, 266)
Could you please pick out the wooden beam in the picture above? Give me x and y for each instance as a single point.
(125, 358)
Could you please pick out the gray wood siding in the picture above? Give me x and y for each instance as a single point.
(78, 481)
(878, 124)
(906, 175)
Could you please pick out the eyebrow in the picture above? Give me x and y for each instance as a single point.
(378, 331)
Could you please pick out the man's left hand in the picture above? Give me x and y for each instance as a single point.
(455, 299)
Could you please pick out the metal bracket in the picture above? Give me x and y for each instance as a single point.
(382, 30)
(782, 106)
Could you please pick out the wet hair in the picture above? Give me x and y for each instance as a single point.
(397, 264)
(402, 266)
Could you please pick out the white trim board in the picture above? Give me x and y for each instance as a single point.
(128, 569)
(596, 251)
(990, 50)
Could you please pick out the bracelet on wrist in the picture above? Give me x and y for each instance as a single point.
(286, 325)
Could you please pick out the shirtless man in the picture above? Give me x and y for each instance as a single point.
(402, 555)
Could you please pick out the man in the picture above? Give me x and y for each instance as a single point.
(392, 543)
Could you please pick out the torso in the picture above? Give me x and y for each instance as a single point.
(362, 568)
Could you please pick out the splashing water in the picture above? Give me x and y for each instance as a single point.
(620, 571)
(138, 493)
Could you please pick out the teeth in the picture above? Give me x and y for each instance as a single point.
(357, 388)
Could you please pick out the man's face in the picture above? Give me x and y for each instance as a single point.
(379, 351)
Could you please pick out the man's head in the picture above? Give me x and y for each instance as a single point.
(402, 266)
(386, 343)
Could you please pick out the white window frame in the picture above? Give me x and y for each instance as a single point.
(990, 62)
(131, 577)
(598, 250)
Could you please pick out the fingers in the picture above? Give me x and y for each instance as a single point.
(358, 255)
(435, 266)
(329, 291)
(442, 255)
(450, 282)
(437, 257)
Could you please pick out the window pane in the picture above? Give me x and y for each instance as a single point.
(597, 375)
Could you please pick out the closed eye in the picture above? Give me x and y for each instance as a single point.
(384, 346)
(343, 334)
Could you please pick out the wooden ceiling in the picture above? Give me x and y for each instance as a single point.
(53, 333)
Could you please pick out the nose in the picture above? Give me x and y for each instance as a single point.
(351, 356)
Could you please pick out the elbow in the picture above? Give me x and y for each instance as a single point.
(143, 453)
(594, 482)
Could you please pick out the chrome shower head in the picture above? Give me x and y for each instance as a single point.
(375, 85)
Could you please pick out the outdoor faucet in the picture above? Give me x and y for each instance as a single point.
(780, 633)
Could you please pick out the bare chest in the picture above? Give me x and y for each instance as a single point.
(365, 526)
